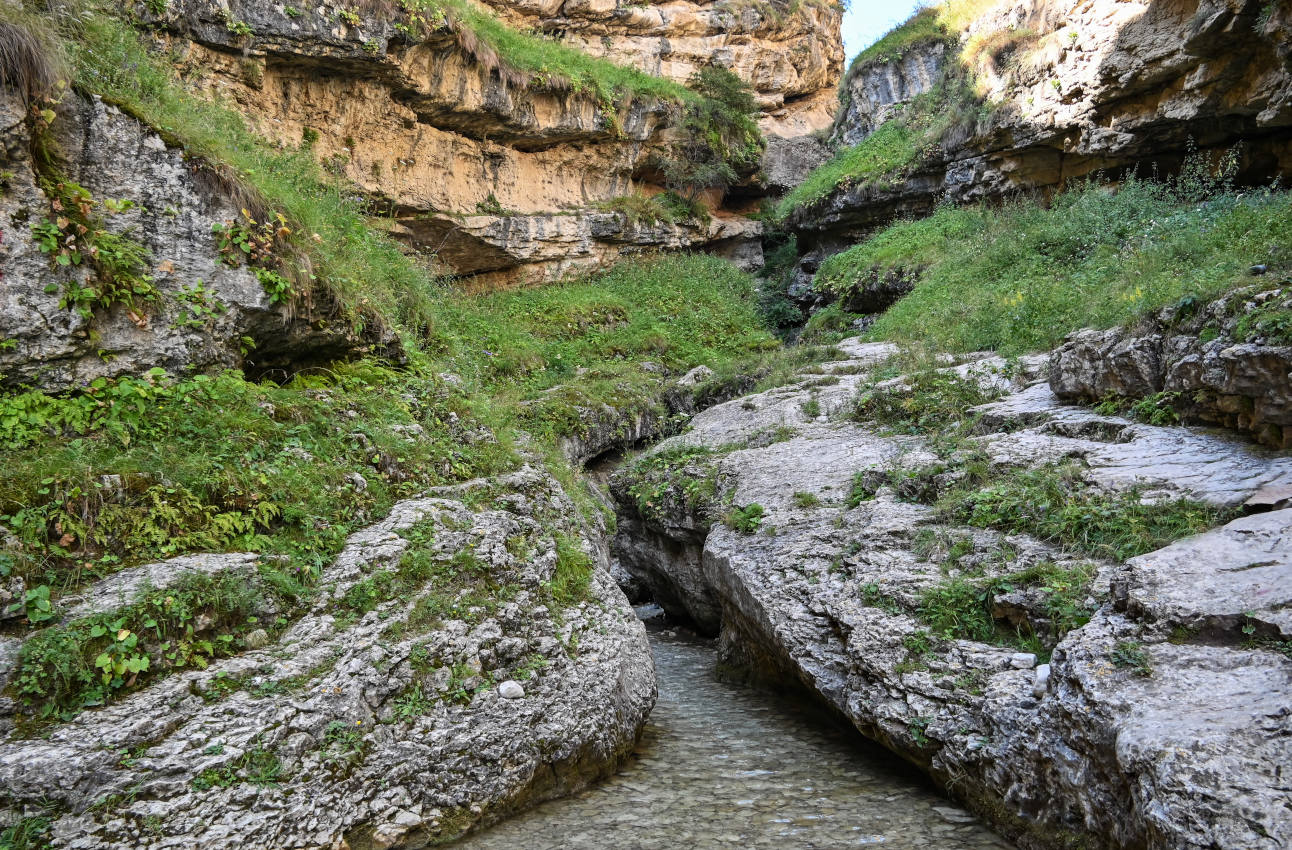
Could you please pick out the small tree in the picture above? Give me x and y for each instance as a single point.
(719, 141)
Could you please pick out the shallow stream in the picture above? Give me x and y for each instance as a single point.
(726, 766)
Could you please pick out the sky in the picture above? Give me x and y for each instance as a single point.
(866, 20)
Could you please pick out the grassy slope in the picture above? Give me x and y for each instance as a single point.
(897, 145)
(923, 27)
(1018, 278)
(140, 469)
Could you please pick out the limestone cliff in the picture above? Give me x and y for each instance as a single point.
(1064, 91)
(499, 176)
(153, 209)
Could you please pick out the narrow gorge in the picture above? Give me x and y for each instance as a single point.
(568, 424)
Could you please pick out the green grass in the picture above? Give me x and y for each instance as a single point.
(961, 607)
(548, 63)
(882, 154)
(572, 577)
(898, 145)
(677, 312)
(940, 22)
(1130, 655)
(1020, 277)
(924, 27)
(922, 401)
(1053, 503)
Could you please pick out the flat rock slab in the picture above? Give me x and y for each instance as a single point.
(1121, 454)
(1238, 574)
(124, 587)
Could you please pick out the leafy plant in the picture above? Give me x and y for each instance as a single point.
(256, 766)
(745, 519)
(1131, 656)
(343, 745)
(412, 703)
(77, 236)
(35, 605)
(922, 401)
(718, 139)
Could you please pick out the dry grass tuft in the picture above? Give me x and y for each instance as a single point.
(31, 59)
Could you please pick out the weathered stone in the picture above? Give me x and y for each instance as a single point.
(1241, 384)
(174, 206)
(511, 690)
(874, 92)
(829, 595)
(406, 779)
(123, 587)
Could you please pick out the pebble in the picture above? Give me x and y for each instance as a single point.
(954, 815)
(1042, 681)
(1022, 661)
(511, 690)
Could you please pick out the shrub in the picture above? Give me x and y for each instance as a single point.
(719, 139)
(745, 519)
(922, 401)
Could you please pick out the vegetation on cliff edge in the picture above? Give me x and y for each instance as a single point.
(1019, 277)
(139, 469)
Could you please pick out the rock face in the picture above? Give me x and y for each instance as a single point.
(1102, 88)
(380, 731)
(1227, 364)
(875, 91)
(790, 53)
(204, 313)
(500, 179)
(1160, 723)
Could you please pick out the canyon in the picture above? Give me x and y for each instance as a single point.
(389, 430)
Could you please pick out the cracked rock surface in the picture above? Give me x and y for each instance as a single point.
(1163, 722)
(357, 762)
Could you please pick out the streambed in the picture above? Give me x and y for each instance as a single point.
(723, 765)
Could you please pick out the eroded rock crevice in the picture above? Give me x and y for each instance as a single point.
(1085, 711)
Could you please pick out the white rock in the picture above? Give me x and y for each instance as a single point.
(1042, 681)
(698, 375)
(511, 690)
(1022, 661)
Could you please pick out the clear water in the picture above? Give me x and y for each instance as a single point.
(726, 766)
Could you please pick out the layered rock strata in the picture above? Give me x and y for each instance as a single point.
(789, 52)
(381, 731)
(1226, 364)
(1069, 92)
(499, 179)
(1161, 723)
